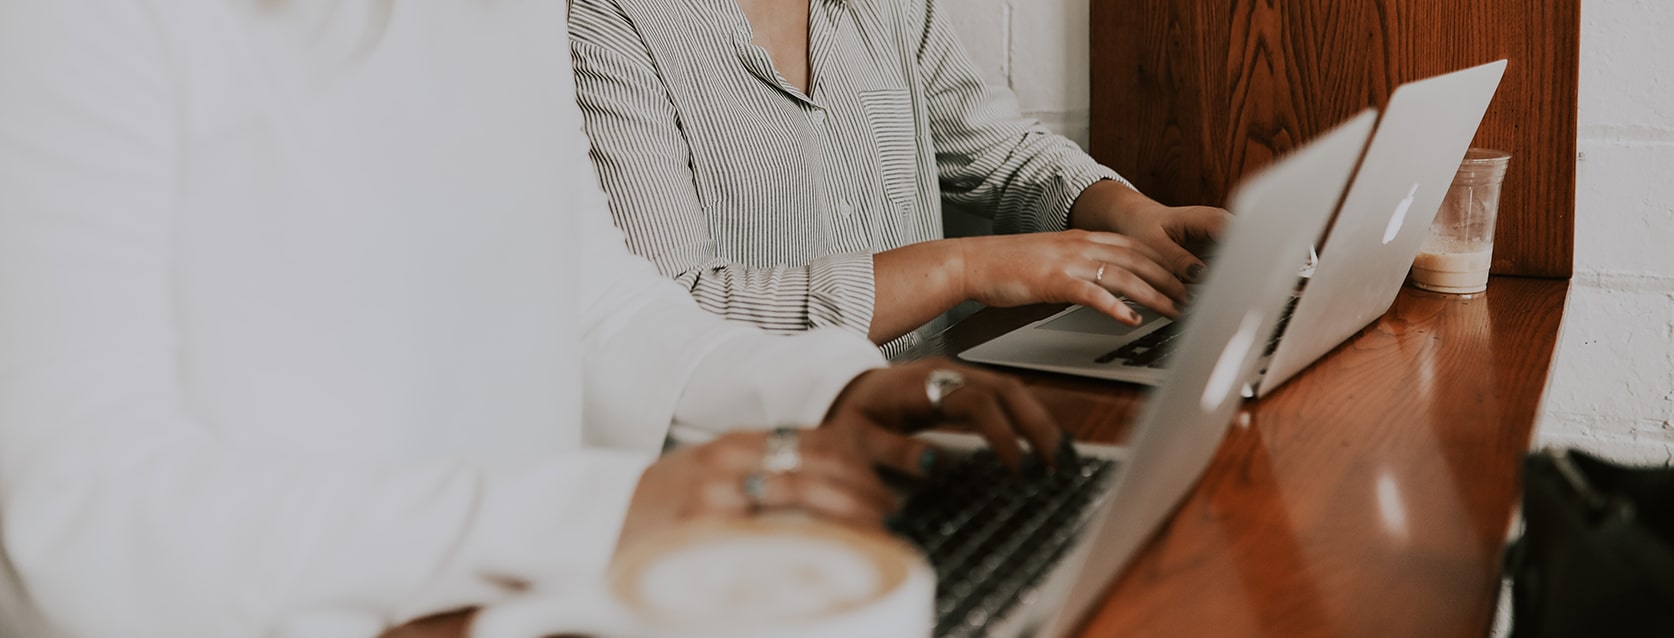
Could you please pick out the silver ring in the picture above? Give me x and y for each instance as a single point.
(754, 487)
(941, 383)
(783, 454)
(1098, 277)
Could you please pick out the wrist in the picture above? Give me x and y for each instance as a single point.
(961, 259)
(1102, 206)
(844, 396)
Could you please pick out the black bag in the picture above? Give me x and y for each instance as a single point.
(1597, 553)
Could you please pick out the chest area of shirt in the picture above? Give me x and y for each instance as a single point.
(726, 68)
(781, 27)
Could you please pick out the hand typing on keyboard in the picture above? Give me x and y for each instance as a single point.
(989, 404)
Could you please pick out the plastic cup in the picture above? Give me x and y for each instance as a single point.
(1459, 250)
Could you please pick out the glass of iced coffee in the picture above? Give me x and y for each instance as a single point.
(1460, 248)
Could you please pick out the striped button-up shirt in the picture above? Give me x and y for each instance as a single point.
(768, 202)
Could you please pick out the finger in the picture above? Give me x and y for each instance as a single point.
(824, 498)
(977, 408)
(847, 463)
(901, 454)
(1091, 295)
(1127, 284)
(1107, 241)
(1154, 272)
(725, 495)
(1181, 262)
(1029, 418)
(1198, 231)
(1203, 222)
(734, 453)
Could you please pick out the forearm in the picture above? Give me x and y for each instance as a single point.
(915, 284)
(247, 542)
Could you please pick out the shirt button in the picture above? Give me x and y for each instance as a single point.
(845, 209)
(819, 116)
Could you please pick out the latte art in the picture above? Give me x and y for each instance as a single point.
(757, 581)
(774, 577)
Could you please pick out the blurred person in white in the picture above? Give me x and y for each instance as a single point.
(313, 321)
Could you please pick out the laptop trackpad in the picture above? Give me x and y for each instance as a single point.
(1089, 321)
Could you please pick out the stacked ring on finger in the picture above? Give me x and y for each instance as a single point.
(1098, 277)
(754, 487)
(781, 455)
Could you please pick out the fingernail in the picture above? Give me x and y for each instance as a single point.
(927, 461)
(1068, 457)
(1033, 467)
(893, 521)
(1194, 273)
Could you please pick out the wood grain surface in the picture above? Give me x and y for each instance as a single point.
(1190, 95)
(1368, 497)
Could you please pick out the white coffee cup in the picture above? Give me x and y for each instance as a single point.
(748, 578)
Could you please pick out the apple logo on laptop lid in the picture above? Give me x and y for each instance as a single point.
(1399, 217)
(1227, 368)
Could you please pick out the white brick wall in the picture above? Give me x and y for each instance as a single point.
(1038, 48)
(1613, 388)
(1613, 384)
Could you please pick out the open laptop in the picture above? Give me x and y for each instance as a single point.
(1030, 555)
(1426, 130)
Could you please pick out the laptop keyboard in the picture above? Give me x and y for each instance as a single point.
(1279, 329)
(992, 536)
(1156, 348)
(1150, 351)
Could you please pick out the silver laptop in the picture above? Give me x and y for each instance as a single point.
(1030, 555)
(1384, 217)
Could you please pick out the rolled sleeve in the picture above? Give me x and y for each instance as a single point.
(842, 292)
(789, 381)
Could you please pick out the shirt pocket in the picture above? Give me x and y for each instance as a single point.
(895, 134)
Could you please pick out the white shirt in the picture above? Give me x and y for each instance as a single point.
(308, 314)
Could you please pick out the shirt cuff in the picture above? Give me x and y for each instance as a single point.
(841, 292)
(551, 526)
(555, 521)
(1066, 185)
(757, 381)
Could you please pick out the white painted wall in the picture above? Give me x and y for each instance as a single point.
(1613, 383)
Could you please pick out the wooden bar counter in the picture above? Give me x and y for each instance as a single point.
(1368, 497)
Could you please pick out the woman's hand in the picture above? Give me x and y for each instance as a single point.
(995, 406)
(834, 477)
(730, 477)
(1179, 236)
(1075, 266)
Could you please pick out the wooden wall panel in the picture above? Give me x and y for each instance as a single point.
(1189, 95)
